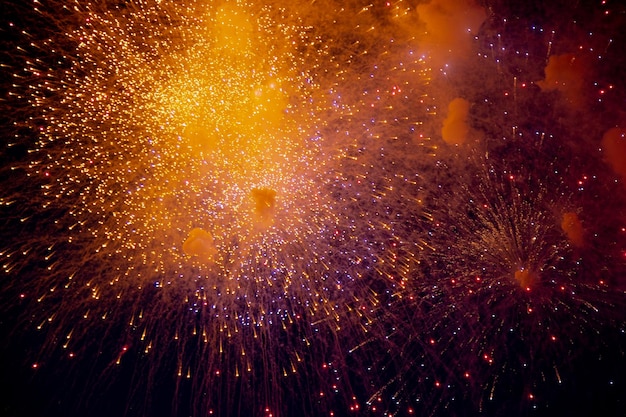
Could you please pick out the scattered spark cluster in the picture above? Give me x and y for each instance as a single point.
(322, 208)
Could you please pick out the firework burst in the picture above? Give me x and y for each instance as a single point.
(202, 167)
(244, 208)
(520, 283)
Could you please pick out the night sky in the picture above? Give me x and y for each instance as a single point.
(313, 208)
